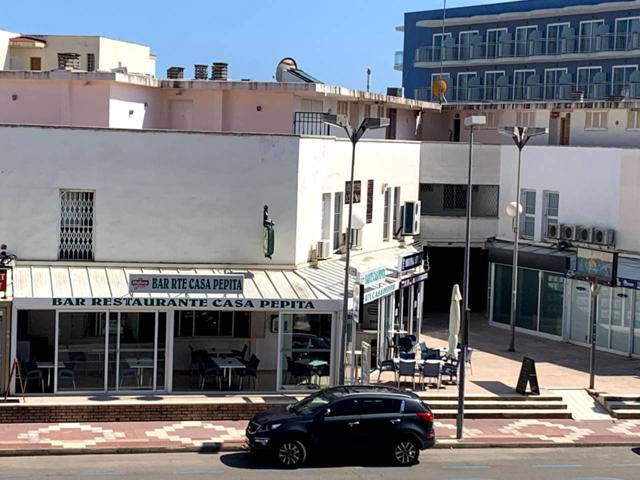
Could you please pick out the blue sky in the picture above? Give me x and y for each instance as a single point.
(334, 40)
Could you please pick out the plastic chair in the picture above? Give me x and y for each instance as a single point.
(125, 372)
(251, 371)
(387, 366)
(451, 369)
(240, 353)
(297, 371)
(405, 344)
(407, 368)
(208, 369)
(407, 355)
(67, 373)
(431, 370)
(197, 356)
(32, 372)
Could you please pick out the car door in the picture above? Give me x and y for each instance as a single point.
(379, 419)
(339, 426)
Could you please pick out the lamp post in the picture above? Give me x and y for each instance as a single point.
(520, 136)
(354, 136)
(471, 122)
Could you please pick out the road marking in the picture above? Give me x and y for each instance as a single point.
(198, 472)
(623, 465)
(558, 466)
(119, 473)
(464, 467)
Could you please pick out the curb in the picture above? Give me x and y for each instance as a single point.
(240, 447)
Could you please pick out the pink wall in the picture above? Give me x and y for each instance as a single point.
(240, 112)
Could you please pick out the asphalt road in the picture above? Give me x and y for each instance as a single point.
(462, 464)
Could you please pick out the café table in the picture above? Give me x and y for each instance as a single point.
(227, 365)
(48, 366)
(140, 365)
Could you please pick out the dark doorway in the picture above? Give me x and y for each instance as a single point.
(446, 269)
(456, 129)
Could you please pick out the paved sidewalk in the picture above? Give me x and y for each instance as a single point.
(25, 439)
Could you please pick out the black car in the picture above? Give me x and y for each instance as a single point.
(347, 419)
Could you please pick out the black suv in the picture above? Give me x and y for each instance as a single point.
(344, 420)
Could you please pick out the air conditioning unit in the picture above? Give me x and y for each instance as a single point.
(553, 232)
(567, 232)
(324, 249)
(603, 236)
(411, 219)
(584, 234)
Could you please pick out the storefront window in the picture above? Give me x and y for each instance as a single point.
(502, 294)
(212, 324)
(636, 325)
(580, 308)
(551, 296)
(35, 349)
(305, 350)
(527, 299)
(620, 319)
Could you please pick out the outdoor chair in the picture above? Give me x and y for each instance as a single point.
(430, 370)
(240, 353)
(297, 371)
(31, 372)
(197, 356)
(423, 346)
(387, 366)
(405, 344)
(451, 368)
(126, 372)
(430, 354)
(407, 355)
(407, 368)
(250, 372)
(67, 374)
(208, 369)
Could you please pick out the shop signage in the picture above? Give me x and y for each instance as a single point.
(3, 279)
(375, 275)
(407, 282)
(622, 282)
(205, 303)
(150, 283)
(410, 261)
(379, 292)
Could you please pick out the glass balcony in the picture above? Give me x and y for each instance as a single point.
(398, 60)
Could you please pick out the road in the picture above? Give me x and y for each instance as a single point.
(462, 464)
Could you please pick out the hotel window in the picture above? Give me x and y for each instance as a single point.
(494, 46)
(520, 91)
(343, 107)
(387, 215)
(439, 50)
(633, 119)
(524, 40)
(491, 84)
(552, 88)
(76, 225)
(337, 221)
(627, 33)
(528, 217)
(585, 83)
(554, 38)
(596, 120)
(91, 62)
(465, 44)
(588, 38)
(463, 90)
(189, 323)
(526, 118)
(621, 80)
(550, 209)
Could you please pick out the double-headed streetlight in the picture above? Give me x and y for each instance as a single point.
(341, 121)
(471, 122)
(520, 136)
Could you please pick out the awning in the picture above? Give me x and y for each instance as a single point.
(27, 42)
(535, 257)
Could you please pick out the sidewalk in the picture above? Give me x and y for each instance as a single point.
(75, 438)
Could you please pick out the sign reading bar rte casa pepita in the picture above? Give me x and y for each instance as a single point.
(150, 283)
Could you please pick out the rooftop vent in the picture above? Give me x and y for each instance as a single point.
(175, 73)
(219, 71)
(69, 61)
(201, 72)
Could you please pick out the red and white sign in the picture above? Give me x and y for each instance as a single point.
(3, 280)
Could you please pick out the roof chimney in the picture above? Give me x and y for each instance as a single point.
(175, 73)
(219, 71)
(201, 72)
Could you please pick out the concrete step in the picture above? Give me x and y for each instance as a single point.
(622, 405)
(496, 405)
(499, 414)
(627, 414)
(426, 396)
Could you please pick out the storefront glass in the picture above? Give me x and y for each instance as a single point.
(551, 298)
(604, 317)
(305, 350)
(528, 283)
(35, 349)
(580, 306)
(502, 294)
(620, 320)
(636, 325)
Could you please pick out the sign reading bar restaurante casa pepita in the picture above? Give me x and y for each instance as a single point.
(196, 303)
(150, 283)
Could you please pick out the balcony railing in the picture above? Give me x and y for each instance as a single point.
(565, 45)
(535, 92)
(309, 123)
(398, 60)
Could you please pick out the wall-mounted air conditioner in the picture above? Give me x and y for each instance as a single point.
(553, 232)
(584, 234)
(567, 232)
(411, 219)
(603, 236)
(324, 249)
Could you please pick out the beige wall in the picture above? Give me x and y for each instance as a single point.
(115, 53)
(240, 112)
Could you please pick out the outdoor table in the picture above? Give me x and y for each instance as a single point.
(313, 365)
(140, 364)
(228, 364)
(220, 353)
(48, 366)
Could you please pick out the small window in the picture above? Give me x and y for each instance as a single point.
(528, 219)
(344, 408)
(91, 62)
(337, 221)
(525, 118)
(633, 119)
(550, 210)
(381, 112)
(343, 107)
(367, 110)
(397, 218)
(596, 120)
(76, 225)
(387, 215)
(373, 406)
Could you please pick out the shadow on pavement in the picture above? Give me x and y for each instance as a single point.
(495, 387)
(247, 461)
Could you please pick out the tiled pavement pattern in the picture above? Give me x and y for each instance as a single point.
(17, 438)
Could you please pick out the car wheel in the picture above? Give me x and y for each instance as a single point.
(405, 451)
(291, 453)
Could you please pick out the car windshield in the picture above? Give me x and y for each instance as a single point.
(311, 403)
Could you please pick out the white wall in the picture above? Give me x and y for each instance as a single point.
(444, 230)
(4, 48)
(160, 197)
(588, 180)
(448, 163)
(615, 135)
(628, 236)
(134, 107)
(134, 56)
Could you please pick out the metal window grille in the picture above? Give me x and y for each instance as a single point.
(450, 200)
(310, 123)
(91, 62)
(76, 225)
(550, 210)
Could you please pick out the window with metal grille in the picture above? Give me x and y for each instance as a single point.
(450, 200)
(550, 210)
(76, 225)
(387, 215)
(397, 218)
(91, 62)
(528, 218)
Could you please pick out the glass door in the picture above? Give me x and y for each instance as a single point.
(580, 305)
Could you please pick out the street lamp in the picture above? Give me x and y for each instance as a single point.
(354, 136)
(471, 122)
(520, 136)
